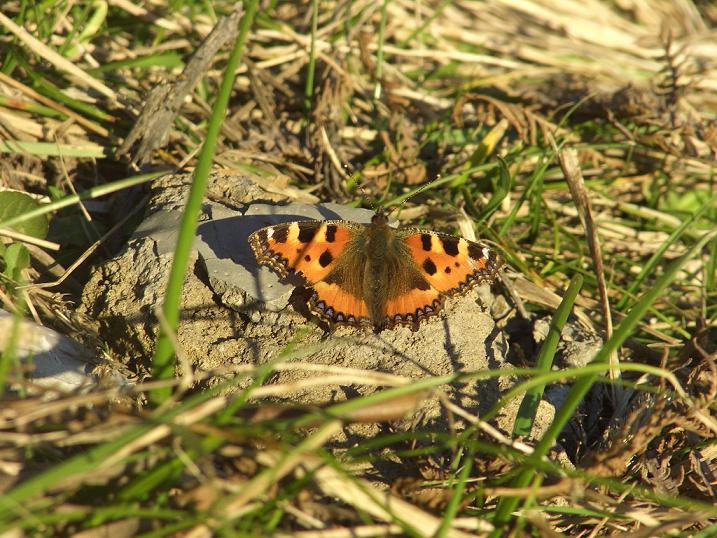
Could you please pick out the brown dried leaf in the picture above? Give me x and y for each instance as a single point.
(489, 110)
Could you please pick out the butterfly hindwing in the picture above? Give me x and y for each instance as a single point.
(413, 306)
(337, 306)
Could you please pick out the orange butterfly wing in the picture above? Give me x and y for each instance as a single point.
(413, 306)
(310, 249)
(452, 265)
(448, 265)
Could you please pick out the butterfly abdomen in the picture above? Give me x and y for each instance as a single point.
(376, 271)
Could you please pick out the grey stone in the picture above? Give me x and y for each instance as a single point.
(50, 360)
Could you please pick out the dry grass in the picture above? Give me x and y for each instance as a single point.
(444, 90)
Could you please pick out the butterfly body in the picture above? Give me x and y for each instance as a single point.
(374, 275)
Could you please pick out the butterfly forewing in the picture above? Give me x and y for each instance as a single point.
(307, 248)
(451, 264)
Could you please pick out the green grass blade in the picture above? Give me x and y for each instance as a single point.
(379, 53)
(311, 68)
(502, 189)
(711, 269)
(439, 181)
(451, 509)
(48, 89)
(163, 360)
(582, 385)
(52, 149)
(537, 379)
(89, 194)
(529, 405)
(527, 194)
(435, 12)
(651, 264)
(31, 107)
(8, 355)
(166, 60)
(21, 494)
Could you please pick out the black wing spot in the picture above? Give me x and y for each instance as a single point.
(457, 264)
(475, 251)
(450, 245)
(326, 258)
(307, 231)
(429, 267)
(426, 242)
(307, 258)
(263, 235)
(280, 234)
(330, 233)
(447, 269)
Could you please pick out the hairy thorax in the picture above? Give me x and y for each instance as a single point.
(381, 274)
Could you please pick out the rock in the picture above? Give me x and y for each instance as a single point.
(235, 313)
(51, 361)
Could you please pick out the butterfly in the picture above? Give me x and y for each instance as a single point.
(372, 274)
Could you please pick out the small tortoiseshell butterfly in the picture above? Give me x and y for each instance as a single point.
(373, 274)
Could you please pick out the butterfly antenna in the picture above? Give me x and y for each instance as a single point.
(406, 197)
(365, 198)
